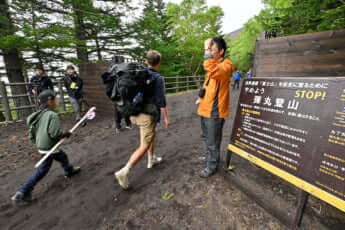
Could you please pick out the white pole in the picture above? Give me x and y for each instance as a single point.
(62, 140)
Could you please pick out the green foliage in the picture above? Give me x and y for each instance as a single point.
(191, 23)
(303, 16)
(287, 17)
(243, 47)
(152, 32)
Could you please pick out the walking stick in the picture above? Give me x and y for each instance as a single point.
(89, 115)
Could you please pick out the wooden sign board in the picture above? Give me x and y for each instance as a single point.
(295, 129)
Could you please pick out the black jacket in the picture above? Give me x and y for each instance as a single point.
(74, 85)
(40, 83)
(155, 94)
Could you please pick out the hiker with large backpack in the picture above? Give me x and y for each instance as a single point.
(139, 92)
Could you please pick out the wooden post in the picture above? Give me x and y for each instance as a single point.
(177, 84)
(302, 201)
(187, 83)
(5, 103)
(228, 159)
(62, 96)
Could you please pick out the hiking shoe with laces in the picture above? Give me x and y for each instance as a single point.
(122, 177)
(154, 161)
(75, 170)
(21, 197)
(207, 173)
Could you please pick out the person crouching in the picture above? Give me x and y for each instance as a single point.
(45, 132)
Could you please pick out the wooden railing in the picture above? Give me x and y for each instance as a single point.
(7, 107)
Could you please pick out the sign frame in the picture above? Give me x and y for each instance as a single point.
(305, 187)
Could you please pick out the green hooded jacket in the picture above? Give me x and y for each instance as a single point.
(45, 129)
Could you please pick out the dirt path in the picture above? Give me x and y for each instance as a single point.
(93, 200)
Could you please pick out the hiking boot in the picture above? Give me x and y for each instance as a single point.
(122, 177)
(207, 173)
(75, 170)
(203, 159)
(21, 197)
(154, 161)
(118, 130)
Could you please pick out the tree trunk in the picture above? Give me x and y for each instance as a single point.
(12, 61)
(99, 52)
(80, 32)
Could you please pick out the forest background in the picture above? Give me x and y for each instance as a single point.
(51, 33)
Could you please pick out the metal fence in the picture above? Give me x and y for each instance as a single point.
(182, 83)
(8, 110)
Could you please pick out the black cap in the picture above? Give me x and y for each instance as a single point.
(46, 95)
(39, 67)
(70, 67)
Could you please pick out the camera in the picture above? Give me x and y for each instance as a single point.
(202, 93)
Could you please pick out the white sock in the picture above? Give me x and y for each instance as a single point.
(150, 157)
(128, 166)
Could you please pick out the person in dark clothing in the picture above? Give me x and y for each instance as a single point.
(74, 86)
(38, 83)
(118, 118)
(45, 132)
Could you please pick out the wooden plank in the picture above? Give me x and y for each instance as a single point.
(97, 93)
(5, 103)
(301, 68)
(293, 45)
(338, 57)
(331, 34)
(278, 51)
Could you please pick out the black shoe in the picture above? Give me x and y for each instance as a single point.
(203, 160)
(83, 124)
(74, 171)
(207, 173)
(21, 197)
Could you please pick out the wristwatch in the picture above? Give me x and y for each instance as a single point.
(208, 48)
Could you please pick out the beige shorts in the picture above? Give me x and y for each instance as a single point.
(146, 126)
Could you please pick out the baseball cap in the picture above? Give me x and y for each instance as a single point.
(46, 95)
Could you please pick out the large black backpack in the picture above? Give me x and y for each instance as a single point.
(123, 82)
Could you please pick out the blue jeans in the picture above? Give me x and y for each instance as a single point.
(60, 156)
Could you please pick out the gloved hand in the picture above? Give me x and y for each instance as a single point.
(66, 134)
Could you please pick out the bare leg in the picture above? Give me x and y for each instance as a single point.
(151, 149)
(136, 156)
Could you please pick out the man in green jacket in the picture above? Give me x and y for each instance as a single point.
(45, 132)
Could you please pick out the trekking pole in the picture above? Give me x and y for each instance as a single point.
(89, 115)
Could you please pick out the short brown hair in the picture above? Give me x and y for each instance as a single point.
(153, 57)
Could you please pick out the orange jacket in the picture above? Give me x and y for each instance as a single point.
(219, 74)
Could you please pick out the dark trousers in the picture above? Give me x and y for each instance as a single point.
(212, 131)
(118, 118)
(237, 82)
(77, 107)
(60, 156)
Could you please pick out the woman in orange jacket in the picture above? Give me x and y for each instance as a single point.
(214, 101)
